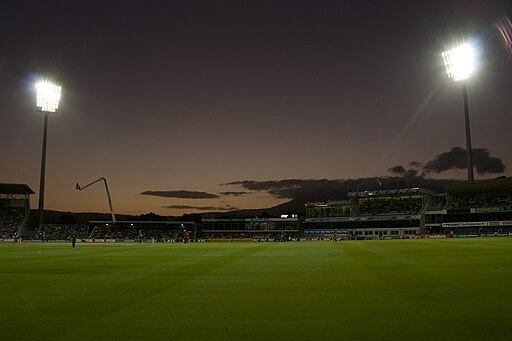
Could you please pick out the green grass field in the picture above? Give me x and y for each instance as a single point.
(363, 290)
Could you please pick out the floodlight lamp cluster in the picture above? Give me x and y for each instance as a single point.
(48, 96)
(460, 62)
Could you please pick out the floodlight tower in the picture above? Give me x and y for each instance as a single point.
(48, 97)
(460, 64)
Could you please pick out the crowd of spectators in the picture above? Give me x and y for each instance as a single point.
(135, 234)
(50, 232)
(328, 211)
(10, 220)
(61, 232)
(390, 206)
(480, 200)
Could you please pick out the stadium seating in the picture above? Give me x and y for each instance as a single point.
(480, 200)
(61, 231)
(10, 221)
(389, 207)
(133, 233)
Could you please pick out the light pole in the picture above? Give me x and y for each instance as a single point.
(460, 64)
(48, 97)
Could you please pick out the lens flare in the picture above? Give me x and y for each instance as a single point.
(504, 26)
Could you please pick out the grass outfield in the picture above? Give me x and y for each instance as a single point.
(458, 289)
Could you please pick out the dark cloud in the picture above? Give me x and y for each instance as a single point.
(401, 171)
(233, 194)
(398, 170)
(485, 164)
(181, 194)
(294, 188)
(411, 173)
(456, 159)
(200, 208)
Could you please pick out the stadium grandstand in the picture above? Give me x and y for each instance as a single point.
(52, 232)
(120, 231)
(465, 209)
(379, 214)
(14, 210)
(479, 208)
(262, 229)
(134, 231)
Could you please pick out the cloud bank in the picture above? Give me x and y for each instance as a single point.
(200, 208)
(233, 194)
(182, 194)
(456, 158)
(294, 188)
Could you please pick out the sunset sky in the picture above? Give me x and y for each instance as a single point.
(209, 105)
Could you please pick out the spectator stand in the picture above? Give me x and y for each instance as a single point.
(370, 214)
(247, 229)
(472, 209)
(61, 232)
(14, 209)
(136, 231)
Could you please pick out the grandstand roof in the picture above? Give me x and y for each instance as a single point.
(391, 192)
(481, 185)
(15, 189)
(328, 203)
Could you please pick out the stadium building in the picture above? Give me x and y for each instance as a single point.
(465, 209)
(479, 208)
(130, 231)
(369, 214)
(259, 228)
(14, 210)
